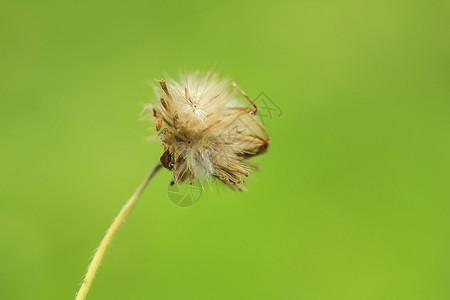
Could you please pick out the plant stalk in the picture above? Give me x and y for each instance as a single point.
(110, 234)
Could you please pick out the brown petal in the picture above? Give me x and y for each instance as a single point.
(166, 160)
(158, 118)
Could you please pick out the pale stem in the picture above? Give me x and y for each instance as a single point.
(112, 231)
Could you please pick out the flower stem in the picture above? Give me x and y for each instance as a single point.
(112, 231)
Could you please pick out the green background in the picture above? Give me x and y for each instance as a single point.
(352, 201)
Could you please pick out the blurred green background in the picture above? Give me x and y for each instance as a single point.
(352, 201)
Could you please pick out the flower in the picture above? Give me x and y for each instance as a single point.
(203, 133)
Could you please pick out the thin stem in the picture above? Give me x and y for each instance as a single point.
(112, 231)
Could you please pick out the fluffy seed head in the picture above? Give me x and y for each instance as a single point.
(203, 130)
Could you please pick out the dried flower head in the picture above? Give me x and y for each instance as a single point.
(203, 133)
